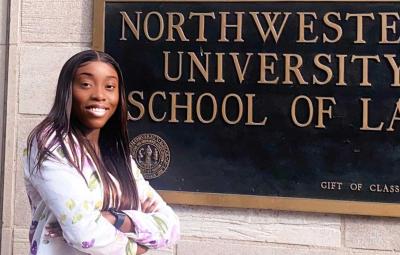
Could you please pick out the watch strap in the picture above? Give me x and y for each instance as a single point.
(119, 217)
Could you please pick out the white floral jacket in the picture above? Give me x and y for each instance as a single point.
(59, 193)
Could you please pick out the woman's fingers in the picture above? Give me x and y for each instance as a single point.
(149, 205)
(141, 249)
(153, 207)
(53, 230)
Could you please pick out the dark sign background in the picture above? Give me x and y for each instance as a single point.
(278, 159)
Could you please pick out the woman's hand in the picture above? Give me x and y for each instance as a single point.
(108, 216)
(127, 226)
(141, 249)
(53, 230)
(150, 205)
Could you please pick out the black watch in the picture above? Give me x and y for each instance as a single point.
(119, 217)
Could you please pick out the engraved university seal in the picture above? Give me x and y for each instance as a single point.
(151, 154)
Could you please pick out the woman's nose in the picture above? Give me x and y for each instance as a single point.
(98, 93)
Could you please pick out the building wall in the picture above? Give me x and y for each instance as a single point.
(44, 34)
(3, 56)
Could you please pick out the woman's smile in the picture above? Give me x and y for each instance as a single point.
(97, 110)
(95, 94)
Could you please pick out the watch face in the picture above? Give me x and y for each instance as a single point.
(119, 213)
(115, 212)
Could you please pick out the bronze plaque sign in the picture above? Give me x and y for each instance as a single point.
(262, 104)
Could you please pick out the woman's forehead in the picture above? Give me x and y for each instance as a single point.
(92, 68)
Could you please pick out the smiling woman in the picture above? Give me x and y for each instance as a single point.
(86, 193)
(94, 94)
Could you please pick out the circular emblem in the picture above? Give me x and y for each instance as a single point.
(151, 154)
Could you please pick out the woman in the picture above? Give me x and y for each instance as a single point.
(86, 193)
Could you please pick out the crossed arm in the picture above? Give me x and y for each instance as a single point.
(154, 225)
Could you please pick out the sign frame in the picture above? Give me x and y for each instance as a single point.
(253, 201)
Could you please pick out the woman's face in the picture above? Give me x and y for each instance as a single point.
(95, 94)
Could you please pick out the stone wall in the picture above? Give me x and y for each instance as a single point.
(44, 34)
(3, 67)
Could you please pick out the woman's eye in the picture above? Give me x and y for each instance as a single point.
(85, 84)
(110, 86)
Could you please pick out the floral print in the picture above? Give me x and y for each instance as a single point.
(70, 204)
(87, 245)
(93, 182)
(74, 200)
(131, 248)
(34, 248)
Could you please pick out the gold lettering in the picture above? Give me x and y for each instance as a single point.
(198, 108)
(365, 115)
(224, 111)
(166, 66)
(396, 70)
(220, 67)
(238, 26)
(385, 26)
(137, 104)
(134, 29)
(271, 24)
(151, 104)
(146, 26)
(201, 16)
(333, 25)
(203, 69)
(250, 112)
(295, 69)
(264, 67)
(322, 111)
(188, 107)
(177, 27)
(372, 187)
(341, 81)
(395, 116)
(323, 67)
(331, 185)
(303, 26)
(239, 71)
(310, 111)
(359, 20)
(365, 60)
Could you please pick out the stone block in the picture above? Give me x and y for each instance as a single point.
(10, 140)
(56, 21)
(237, 248)
(6, 241)
(39, 70)
(372, 233)
(3, 50)
(3, 22)
(161, 252)
(15, 22)
(201, 247)
(21, 241)
(21, 235)
(20, 248)
(260, 225)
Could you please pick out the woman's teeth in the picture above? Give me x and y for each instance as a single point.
(97, 111)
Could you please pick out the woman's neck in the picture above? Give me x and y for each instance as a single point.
(93, 137)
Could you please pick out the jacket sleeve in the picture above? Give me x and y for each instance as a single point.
(153, 230)
(67, 195)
